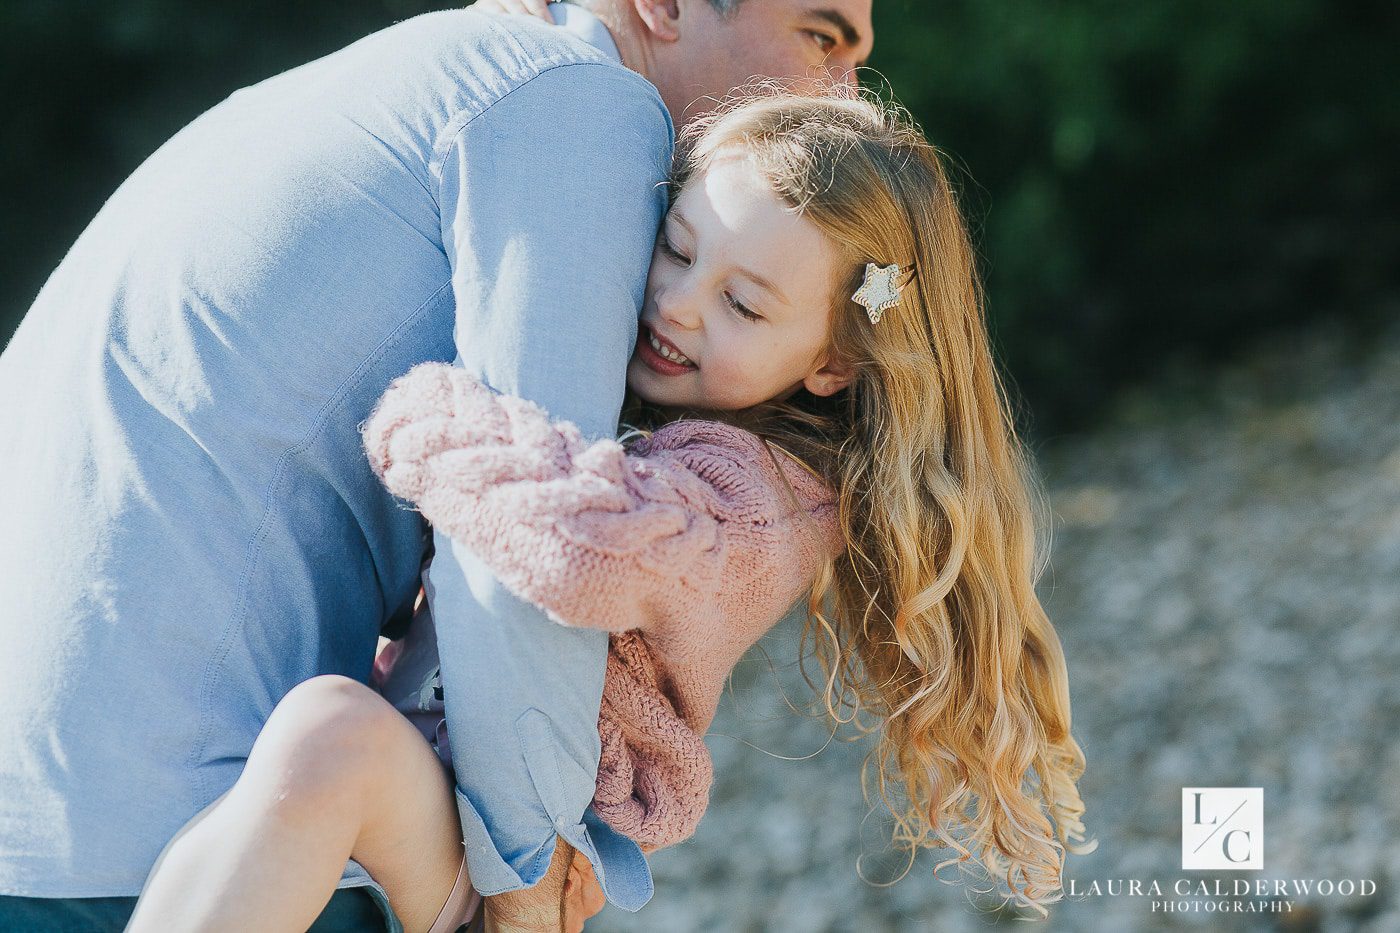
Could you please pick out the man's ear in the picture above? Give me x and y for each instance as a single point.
(662, 18)
(831, 378)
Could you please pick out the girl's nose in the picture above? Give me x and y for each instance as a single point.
(679, 307)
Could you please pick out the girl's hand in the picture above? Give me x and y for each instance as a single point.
(537, 8)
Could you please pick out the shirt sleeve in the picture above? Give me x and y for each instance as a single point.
(550, 201)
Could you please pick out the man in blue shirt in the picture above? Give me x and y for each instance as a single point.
(190, 527)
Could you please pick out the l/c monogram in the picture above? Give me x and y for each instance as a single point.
(1222, 827)
(1225, 839)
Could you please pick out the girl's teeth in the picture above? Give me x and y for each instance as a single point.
(665, 351)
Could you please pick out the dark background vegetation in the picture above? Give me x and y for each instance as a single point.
(1150, 183)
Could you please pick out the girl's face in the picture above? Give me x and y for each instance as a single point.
(740, 289)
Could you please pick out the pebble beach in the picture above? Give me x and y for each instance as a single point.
(1225, 578)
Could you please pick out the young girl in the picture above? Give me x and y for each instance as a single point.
(826, 419)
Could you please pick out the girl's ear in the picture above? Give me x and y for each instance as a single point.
(662, 18)
(831, 378)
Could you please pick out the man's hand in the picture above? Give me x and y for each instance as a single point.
(583, 896)
(563, 899)
(538, 8)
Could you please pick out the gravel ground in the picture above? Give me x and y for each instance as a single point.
(1225, 580)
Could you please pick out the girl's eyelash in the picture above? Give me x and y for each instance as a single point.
(670, 250)
(738, 306)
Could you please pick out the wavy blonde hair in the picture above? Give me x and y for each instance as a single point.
(930, 619)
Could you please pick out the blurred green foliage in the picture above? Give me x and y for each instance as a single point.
(1145, 179)
(1160, 177)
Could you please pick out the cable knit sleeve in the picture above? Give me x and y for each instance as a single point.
(670, 540)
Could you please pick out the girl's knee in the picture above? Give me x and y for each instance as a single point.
(330, 695)
(331, 725)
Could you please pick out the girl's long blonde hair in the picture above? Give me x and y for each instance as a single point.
(930, 619)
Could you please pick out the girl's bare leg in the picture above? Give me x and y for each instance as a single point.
(336, 773)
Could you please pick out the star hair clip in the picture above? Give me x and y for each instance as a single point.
(879, 290)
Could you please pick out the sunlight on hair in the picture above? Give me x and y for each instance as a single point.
(929, 622)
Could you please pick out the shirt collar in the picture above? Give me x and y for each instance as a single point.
(587, 27)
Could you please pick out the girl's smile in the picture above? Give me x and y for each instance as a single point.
(661, 354)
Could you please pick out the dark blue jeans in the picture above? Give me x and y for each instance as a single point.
(351, 910)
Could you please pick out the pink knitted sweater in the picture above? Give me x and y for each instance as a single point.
(689, 542)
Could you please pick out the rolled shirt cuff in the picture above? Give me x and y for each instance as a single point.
(618, 862)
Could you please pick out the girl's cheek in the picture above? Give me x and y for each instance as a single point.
(725, 383)
(653, 277)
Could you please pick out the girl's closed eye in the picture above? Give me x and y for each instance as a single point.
(741, 309)
(670, 250)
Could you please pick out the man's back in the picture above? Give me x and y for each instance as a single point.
(190, 525)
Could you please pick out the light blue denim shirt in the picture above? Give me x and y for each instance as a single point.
(189, 526)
